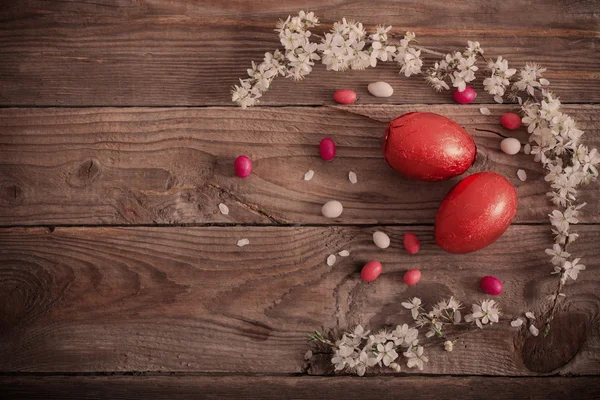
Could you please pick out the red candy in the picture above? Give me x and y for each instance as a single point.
(371, 271)
(242, 166)
(428, 147)
(411, 243)
(475, 213)
(344, 96)
(466, 96)
(491, 285)
(327, 149)
(412, 276)
(511, 121)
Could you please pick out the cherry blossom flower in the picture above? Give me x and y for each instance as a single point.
(416, 358)
(414, 305)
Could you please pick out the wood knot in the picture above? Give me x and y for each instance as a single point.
(545, 354)
(84, 174)
(11, 193)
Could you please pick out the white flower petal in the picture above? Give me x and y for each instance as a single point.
(308, 355)
(527, 148)
(352, 177)
(243, 242)
(522, 175)
(331, 260)
(534, 331)
(498, 99)
(516, 323)
(484, 111)
(344, 253)
(530, 315)
(309, 175)
(224, 209)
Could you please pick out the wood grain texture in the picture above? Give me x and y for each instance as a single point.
(172, 166)
(185, 52)
(189, 299)
(277, 387)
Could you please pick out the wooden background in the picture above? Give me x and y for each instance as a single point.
(119, 278)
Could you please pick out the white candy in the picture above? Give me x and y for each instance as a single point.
(380, 89)
(522, 175)
(381, 240)
(510, 146)
(332, 209)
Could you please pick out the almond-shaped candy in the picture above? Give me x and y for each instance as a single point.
(380, 89)
(344, 96)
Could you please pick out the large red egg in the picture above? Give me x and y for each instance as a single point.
(428, 147)
(475, 213)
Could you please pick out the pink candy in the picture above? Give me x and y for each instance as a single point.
(466, 96)
(327, 149)
(511, 121)
(491, 285)
(344, 96)
(242, 166)
(371, 271)
(412, 276)
(411, 243)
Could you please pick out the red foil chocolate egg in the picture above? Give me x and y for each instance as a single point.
(475, 213)
(428, 147)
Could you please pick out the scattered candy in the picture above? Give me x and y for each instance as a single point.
(491, 285)
(484, 111)
(380, 89)
(243, 242)
(411, 243)
(224, 209)
(466, 96)
(332, 209)
(371, 271)
(412, 276)
(381, 240)
(344, 253)
(516, 323)
(309, 175)
(522, 175)
(242, 166)
(527, 148)
(510, 121)
(510, 146)
(327, 149)
(331, 260)
(344, 96)
(352, 177)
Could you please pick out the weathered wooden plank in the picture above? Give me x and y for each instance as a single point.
(147, 165)
(131, 52)
(189, 299)
(278, 387)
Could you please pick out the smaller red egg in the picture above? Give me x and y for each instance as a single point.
(510, 121)
(411, 243)
(491, 285)
(242, 166)
(371, 271)
(412, 276)
(466, 96)
(327, 149)
(344, 96)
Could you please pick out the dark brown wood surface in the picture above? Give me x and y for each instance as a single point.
(165, 166)
(186, 52)
(277, 387)
(190, 299)
(119, 278)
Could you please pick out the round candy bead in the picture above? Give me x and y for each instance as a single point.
(381, 240)
(510, 146)
(332, 209)
(466, 96)
(510, 121)
(327, 149)
(491, 285)
(412, 276)
(242, 166)
(371, 271)
(344, 96)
